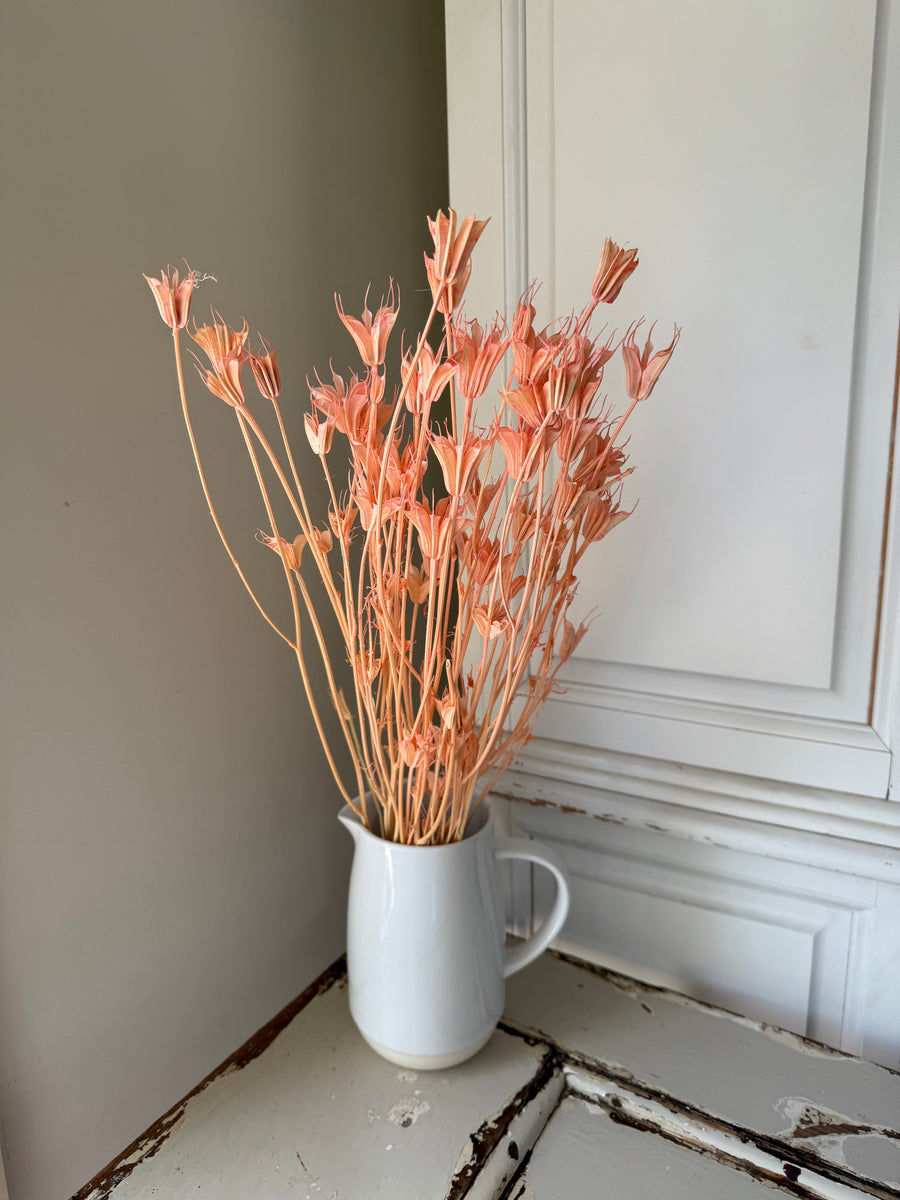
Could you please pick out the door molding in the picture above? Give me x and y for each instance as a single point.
(833, 739)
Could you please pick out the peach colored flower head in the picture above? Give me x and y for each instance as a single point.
(492, 622)
(643, 367)
(600, 516)
(173, 299)
(371, 333)
(477, 356)
(517, 444)
(613, 269)
(430, 377)
(449, 269)
(321, 539)
(417, 584)
(224, 380)
(433, 529)
(219, 341)
(291, 553)
(568, 643)
(265, 372)
(319, 433)
(458, 462)
(341, 521)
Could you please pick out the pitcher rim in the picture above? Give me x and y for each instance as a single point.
(484, 807)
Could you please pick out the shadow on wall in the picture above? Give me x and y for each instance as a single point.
(171, 870)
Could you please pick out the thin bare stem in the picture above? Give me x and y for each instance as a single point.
(212, 511)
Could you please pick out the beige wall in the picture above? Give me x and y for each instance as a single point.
(171, 871)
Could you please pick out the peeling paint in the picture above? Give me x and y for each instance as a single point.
(636, 989)
(406, 1112)
(152, 1141)
(829, 1133)
(407, 1076)
(489, 1135)
(465, 1157)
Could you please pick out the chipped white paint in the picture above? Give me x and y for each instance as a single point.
(608, 1079)
(407, 1112)
(310, 1115)
(599, 1097)
(836, 1136)
(582, 1147)
(519, 1138)
(724, 1065)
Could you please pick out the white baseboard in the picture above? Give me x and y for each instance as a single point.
(756, 903)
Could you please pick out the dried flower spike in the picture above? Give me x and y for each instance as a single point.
(265, 372)
(613, 269)
(448, 271)
(643, 367)
(452, 614)
(173, 299)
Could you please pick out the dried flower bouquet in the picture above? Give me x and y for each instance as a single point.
(453, 611)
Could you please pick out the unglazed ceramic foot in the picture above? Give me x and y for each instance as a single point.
(429, 1062)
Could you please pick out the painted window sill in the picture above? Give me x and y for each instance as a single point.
(591, 1077)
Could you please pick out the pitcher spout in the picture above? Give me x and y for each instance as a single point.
(351, 822)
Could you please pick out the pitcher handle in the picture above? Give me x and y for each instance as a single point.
(520, 956)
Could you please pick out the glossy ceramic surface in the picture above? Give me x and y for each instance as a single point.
(425, 940)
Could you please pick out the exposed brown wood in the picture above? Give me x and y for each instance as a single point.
(488, 1135)
(770, 1145)
(152, 1139)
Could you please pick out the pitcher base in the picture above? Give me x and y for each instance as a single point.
(428, 1062)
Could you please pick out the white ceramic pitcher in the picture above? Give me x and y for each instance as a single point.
(426, 961)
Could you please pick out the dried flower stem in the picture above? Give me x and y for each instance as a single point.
(453, 612)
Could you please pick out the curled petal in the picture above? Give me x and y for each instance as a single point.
(447, 709)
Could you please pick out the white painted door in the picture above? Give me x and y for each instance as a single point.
(732, 706)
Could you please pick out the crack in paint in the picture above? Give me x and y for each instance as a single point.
(807, 1159)
(489, 1134)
